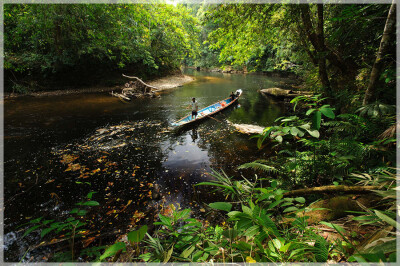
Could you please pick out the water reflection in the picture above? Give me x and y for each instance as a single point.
(74, 144)
(194, 134)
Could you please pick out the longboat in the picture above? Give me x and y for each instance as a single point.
(209, 110)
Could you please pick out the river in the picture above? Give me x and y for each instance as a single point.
(57, 149)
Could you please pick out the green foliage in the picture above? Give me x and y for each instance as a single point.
(253, 232)
(377, 110)
(138, 235)
(52, 40)
(112, 250)
(348, 144)
(274, 37)
(223, 206)
(176, 238)
(70, 228)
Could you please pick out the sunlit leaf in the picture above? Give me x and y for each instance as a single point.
(112, 250)
(138, 235)
(223, 206)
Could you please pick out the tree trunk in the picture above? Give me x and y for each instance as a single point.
(378, 65)
(322, 50)
(317, 40)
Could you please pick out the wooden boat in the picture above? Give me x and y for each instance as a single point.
(209, 110)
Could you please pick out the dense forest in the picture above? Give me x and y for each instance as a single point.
(46, 45)
(327, 193)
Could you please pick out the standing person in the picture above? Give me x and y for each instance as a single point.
(195, 107)
(233, 96)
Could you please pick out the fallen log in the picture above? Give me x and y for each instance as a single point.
(337, 207)
(332, 189)
(119, 95)
(281, 93)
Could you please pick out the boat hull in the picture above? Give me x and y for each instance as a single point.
(208, 111)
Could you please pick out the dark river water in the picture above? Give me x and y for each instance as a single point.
(57, 149)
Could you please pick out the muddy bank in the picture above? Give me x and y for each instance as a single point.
(164, 83)
(171, 81)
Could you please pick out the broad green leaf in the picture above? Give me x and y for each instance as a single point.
(300, 199)
(186, 253)
(241, 245)
(285, 247)
(81, 212)
(146, 256)
(310, 111)
(167, 255)
(138, 235)
(197, 255)
(223, 206)
(271, 246)
(252, 231)
(328, 112)
(286, 204)
(290, 209)
(233, 214)
(305, 126)
(314, 133)
(316, 120)
(230, 233)
(183, 214)
(247, 210)
(244, 222)
(112, 250)
(277, 243)
(294, 131)
(75, 210)
(268, 224)
(165, 220)
(90, 194)
(91, 203)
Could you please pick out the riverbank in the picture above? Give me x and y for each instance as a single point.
(164, 83)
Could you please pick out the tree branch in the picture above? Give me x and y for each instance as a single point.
(141, 81)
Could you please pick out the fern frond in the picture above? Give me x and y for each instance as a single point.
(320, 249)
(259, 166)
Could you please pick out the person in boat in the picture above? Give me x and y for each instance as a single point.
(195, 108)
(233, 96)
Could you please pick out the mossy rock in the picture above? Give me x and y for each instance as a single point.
(336, 207)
